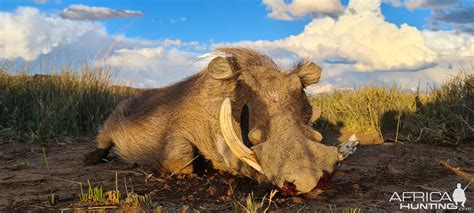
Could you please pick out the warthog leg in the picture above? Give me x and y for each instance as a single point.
(347, 148)
(177, 156)
(96, 156)
(104, 145)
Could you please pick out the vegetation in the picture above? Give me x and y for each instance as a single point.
(42, 107)
(444, 115)
(250, 204)
(96, 195)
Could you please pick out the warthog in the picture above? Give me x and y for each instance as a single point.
(242, 113)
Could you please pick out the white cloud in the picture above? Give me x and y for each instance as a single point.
(395, 3)
(414, 4)
(458, 15)
(43, 39)
(343, 76)
(320, 89)
(360, 46)
(300, 8)
(449, 44)
(83, 12)
(361, 36)
(152, 67)
(361, 7)
(453, 14)
(27, 33)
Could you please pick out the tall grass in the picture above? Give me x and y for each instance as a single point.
(42, 107)
(448, 116)
(364, 109)
(443, 115)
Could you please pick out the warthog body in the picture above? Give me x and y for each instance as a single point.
(241, 98)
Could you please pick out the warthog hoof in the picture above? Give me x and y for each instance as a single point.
(347, 148)
(96, 156)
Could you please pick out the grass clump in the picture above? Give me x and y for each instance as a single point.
(43, 107)
(443, 115)
(94, 194)
(363, 109)
(448, 115)
(250, 204)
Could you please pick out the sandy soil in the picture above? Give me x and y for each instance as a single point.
(367, 179)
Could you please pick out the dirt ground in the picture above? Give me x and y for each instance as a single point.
(367, 179)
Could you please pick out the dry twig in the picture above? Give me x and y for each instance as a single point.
(457, 171)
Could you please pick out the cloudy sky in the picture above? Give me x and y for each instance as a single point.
(155, 43)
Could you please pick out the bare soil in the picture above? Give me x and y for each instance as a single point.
(367, 179)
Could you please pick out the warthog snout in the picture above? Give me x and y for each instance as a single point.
(289, 156)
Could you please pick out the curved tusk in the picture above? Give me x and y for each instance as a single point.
(233, 141)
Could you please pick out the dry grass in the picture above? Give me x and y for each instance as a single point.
(448, 115)
(251, 204)
(444, 115)
(42, 107)
(363, 109)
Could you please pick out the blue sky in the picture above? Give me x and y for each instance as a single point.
(156, 43)
(205, 21)
(209, 20)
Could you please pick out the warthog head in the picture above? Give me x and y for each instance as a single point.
(265, 119)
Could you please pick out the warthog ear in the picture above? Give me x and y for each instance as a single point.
(221, 68)
(309, 73)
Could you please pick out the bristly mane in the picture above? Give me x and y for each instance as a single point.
(247, 58)
(299, 63)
